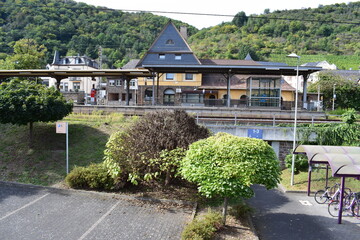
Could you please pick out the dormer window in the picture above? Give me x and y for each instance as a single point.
(170, 42)
(177, 56)
(162, 56)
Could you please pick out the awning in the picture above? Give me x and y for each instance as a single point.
(344, 162)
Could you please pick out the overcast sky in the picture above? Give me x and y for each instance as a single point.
(223, 7)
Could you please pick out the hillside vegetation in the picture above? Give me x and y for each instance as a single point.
(328, 30)
(331, 31)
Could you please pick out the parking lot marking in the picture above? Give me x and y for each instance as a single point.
(98, 221)
(305, 202)
(26, 205)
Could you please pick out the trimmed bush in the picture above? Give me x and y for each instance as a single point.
(203, 228)
(154, 136)
(95, 176)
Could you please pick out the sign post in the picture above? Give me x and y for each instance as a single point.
(62, 127)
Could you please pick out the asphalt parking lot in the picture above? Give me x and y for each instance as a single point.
(32, 212)
(296, 216)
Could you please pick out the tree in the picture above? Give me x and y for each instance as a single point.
(23, 102)
(240, 19)
(149, 145)
(347, 91)
(225, 165)
(27, 55)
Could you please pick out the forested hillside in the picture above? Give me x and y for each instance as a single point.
(332, 29)
(73, 28)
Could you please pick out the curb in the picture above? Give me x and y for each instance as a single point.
(284, 190)
(252, 227)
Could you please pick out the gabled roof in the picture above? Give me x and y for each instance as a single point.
(169, 43)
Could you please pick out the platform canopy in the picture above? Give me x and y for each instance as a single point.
(332, 155)
(344, 162)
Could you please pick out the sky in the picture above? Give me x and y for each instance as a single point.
(222, 7)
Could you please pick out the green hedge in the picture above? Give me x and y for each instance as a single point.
(95, 176)
(204, 228)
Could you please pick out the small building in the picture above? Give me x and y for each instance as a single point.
(180, 78)
(68, 86)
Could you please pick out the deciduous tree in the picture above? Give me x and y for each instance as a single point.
(25, 102)
(225, 165)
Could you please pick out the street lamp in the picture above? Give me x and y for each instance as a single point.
(334, 97)
(293, 55)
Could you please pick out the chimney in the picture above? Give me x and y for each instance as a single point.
(183, 32)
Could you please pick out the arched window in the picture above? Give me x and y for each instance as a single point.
(148, 94)
(169, 96)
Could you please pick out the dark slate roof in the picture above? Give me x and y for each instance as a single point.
(169, 44)
(228, 62)
(131, 64)
(74, 60)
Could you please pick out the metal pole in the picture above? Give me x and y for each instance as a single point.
(318, 99)
(334, 96)
(67, 148)
(228, 89)
(153, 92)
(341, 199)
(295, 121)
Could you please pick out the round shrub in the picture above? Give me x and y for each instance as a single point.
(152, 137)
(95, 176)
(226, 165)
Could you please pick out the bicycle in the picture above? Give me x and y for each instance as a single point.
(322, 196)
(351, 202)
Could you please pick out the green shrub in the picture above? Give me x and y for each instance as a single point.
(300, 164)
(203, 228)
(95, 176)
(153, 136)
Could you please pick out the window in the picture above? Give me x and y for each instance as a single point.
(264, 92)
(169, 97)
(177, 56)
(189, 76)
(66, 87)
(192, 98)
(170, 42)
(162, 56)
(76, 86)
(111, 82)
(148, 94)
(117, 82)
(170, 76)
(133, 83)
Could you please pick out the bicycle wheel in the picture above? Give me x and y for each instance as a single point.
(333, 208)
(355, 209)
(321, 197)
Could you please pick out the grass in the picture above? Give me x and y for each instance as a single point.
(44, 163)
(318, 179)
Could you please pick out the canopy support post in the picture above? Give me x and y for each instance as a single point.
(327, 175)
(341, 199)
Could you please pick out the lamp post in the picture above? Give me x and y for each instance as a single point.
(334, 97)
(293, 55)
